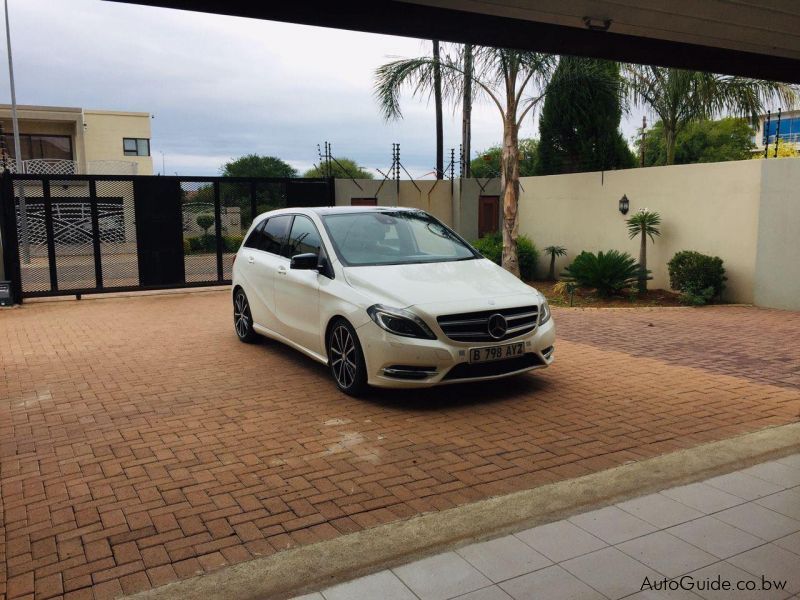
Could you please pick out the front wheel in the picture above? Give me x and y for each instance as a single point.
(346, 359)
(243, 319)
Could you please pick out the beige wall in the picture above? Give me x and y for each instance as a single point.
(465, 206)
(104, 132)
(745, 212)
(384, 191)
(430, 195)
(777, 281)
(710, 208)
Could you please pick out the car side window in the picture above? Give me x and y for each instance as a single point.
(254, 239)
(303, 239)
(274, 234)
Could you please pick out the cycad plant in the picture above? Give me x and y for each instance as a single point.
(607, 272)
(554, 251)
(643, 223)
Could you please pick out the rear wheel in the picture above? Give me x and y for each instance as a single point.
(242, 318)
(346, 359)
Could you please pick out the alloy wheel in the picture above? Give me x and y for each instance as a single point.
(241, 315)
(343, 357)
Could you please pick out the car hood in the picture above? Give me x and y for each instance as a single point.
(402, 286)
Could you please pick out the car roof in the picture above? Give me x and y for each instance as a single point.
(329, 210)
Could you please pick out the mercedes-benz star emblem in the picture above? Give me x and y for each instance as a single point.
(497, 326)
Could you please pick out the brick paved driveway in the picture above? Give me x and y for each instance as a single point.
(140, 442)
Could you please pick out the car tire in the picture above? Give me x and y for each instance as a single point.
(346, 359)
(243, 318)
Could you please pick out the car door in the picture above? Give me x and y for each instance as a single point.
(263, 265)
(297, 291)
(247, 271)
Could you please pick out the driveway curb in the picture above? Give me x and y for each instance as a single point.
(320, 565)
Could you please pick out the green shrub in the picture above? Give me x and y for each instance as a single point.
(607, 272)
(491, 246)
(232, 242)
(207, 244)
(205, 221)
(698, 298)
(693, 274)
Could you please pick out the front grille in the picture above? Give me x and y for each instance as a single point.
(488, 369)
(474, 326)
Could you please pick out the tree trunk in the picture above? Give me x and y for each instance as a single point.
(466, 112)
(437, 98)
(509, 186)
(643, 263)
(552, 274)
(670, 141)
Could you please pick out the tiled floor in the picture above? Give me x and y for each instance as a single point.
(743, 527)
(141, 443)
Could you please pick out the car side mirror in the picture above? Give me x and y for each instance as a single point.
(325, 267)
(306, 262)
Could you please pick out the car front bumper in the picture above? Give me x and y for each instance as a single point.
(399, 362)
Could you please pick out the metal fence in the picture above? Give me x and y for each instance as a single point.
(79, 234)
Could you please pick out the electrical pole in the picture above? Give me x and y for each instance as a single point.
(766, 134)
(23, 209)
(644, 135)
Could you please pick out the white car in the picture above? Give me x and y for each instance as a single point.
(388, 297)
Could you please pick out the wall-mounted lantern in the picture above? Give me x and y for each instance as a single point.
(624, 205)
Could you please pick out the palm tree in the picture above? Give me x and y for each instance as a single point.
(515, 82)
(554, 251)
(679, 97)
(645, 224)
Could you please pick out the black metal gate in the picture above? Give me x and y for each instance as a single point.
(82, 234)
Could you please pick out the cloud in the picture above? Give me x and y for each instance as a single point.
(221, 87)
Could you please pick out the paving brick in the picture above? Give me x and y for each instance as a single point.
(125, 553)
(49, 586)
(175, 471)
(161, 575)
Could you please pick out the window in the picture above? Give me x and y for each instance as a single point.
(303, 239)
(274, 234)
(136, 146)
(254, 239)
(790, 130)
(393, 238)
(40, 146)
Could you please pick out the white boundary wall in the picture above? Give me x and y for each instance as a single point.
(745, 212)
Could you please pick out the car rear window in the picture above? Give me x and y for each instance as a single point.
(274, 233)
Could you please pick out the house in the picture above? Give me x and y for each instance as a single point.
(64, 140)
(789, 129)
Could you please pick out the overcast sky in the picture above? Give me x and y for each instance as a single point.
(220, 87)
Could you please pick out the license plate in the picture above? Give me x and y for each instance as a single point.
(490, 353)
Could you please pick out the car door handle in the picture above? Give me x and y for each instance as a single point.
(282, 270)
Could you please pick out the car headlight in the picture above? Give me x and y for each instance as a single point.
(544, 313)
(400, 322)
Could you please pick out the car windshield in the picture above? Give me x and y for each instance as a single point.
(393, 238)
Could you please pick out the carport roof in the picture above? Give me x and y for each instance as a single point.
(757, 38)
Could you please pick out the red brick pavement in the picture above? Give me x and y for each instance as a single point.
(759, 344)
(141, 443)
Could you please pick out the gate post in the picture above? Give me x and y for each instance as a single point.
(218, 231)
(8, 237)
